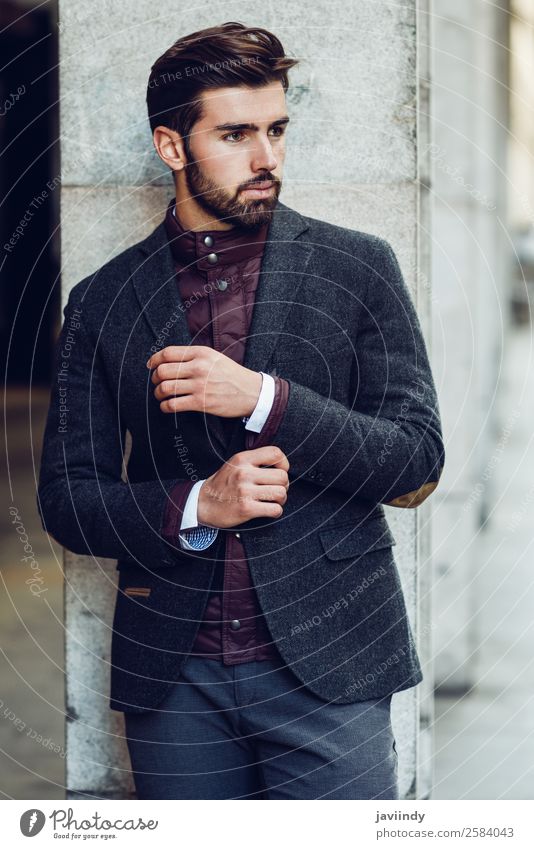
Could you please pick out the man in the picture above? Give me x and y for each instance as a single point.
(271, 371)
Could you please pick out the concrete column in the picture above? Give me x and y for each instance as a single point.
(470, 267)
(521, 163)
(355, 159)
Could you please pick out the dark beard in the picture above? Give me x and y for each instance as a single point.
(215, 201)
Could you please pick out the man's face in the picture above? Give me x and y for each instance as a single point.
(238, 151)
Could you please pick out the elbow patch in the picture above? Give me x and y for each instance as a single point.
(417, 496)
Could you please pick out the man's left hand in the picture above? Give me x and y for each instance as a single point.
(197, 377)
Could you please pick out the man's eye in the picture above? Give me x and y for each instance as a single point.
(277, 132)
(235, 133)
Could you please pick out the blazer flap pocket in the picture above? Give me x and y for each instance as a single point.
(346, 540)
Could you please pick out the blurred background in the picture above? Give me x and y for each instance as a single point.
(480, 186)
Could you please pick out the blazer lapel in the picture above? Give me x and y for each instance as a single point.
(153, 278)
(283, 266)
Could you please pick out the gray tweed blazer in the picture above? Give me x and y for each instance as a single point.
(361, 429)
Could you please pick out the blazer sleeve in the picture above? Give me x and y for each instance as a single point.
(387, 445)
(81, 497)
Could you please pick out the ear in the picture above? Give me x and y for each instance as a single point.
(170, 148)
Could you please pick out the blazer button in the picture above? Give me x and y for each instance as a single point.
(238, 535)
(222, 285)
(208, 241)
(212, 258)
(235, 624)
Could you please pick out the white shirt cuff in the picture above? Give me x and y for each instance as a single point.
(189, 516)
(195, 537)
(263, 406)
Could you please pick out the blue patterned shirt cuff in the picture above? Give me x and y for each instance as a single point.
(197, 539)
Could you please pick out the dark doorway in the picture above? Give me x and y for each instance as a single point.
(29, 190)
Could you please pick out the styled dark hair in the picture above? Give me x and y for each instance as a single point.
(231, 54)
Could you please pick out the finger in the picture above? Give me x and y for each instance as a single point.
(172, 371)
(269, 493)
(169, 388)
(283, 463)
(267, 455)
(268, 510)
(173, 354)
(273, 476)
(180, 404)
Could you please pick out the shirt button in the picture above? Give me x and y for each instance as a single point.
(212, 258)
(238, 535)
(235, 624)
(222, 285)
(208, 241)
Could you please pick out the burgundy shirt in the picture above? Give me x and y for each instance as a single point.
(218, 298)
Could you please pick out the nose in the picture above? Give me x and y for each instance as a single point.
(263, 158)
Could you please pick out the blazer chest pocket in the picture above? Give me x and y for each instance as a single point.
(348, 540)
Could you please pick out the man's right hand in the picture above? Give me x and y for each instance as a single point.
(250, 484)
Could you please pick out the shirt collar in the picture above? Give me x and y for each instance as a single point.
(212, 249)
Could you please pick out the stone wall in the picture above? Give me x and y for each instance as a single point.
(358, 147)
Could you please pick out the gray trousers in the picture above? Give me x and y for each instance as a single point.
(252, 731)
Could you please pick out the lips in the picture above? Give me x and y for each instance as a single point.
(264, 185)
(259, 189)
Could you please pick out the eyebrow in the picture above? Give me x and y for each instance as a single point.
(235, 127)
